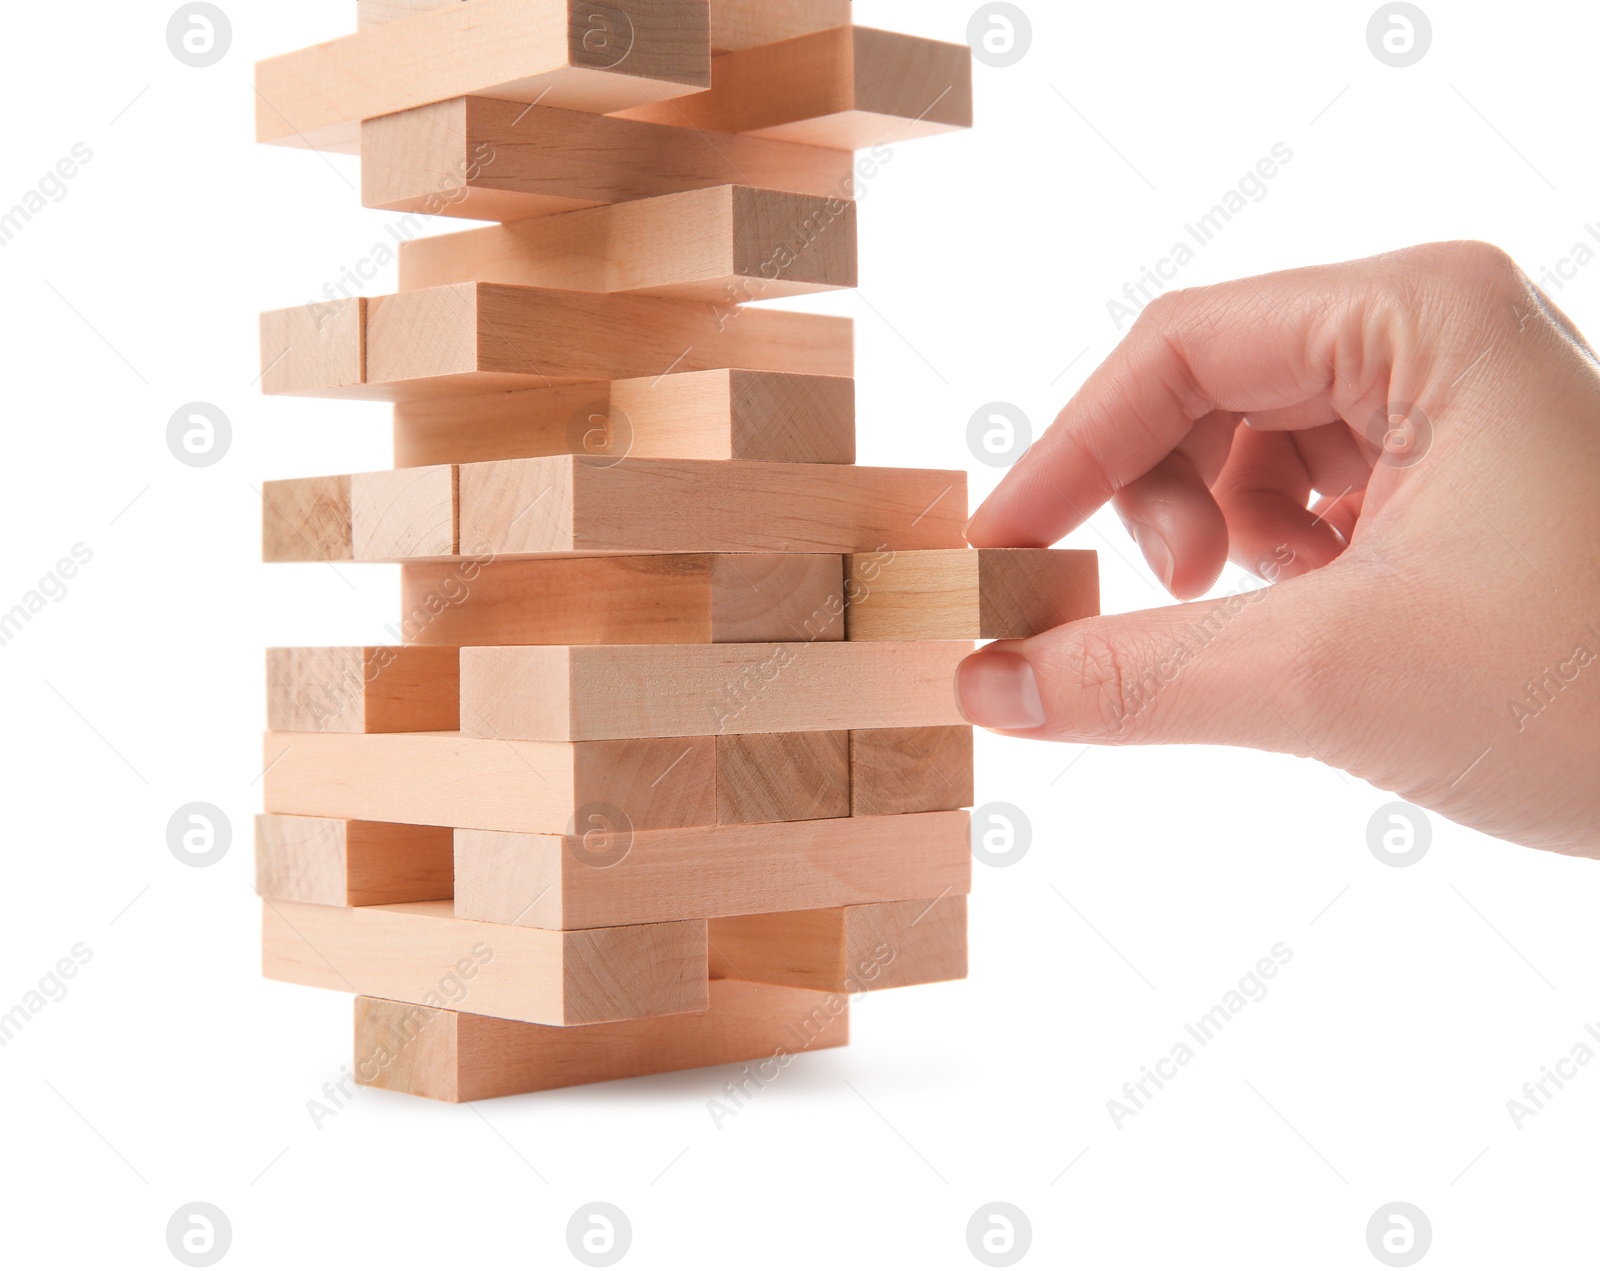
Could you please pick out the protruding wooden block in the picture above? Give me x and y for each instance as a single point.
(849, 88)
(596, 57)
(764, 777)
(483, 783)
(899, 770)
(579, 693)
(696, 599)
(727, 414)
(500, 161)
(856, 949)
(366, 690)
(740, 24)
(725, 245)
(404, 514)
(562, 503)
(614, 875)
(458, 1057)
(421, 953)
(329, 862)
(313, 347)
(306, 519)
(987, 594)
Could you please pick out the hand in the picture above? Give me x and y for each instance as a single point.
(1408, 449)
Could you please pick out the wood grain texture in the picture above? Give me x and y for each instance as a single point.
(724, 414)
(421, 953)
(724, 244)
(764, 777)
(559, 503)
(306, 519)
(588, 58)
(449, 780)
(499, 161)
(900, 770)
(580, 693)
(403, 514)
(620, 876)
(696, 599)
(849, 88)
(311, 347)
(740, 24)
(987, 594)
(458, 1058)
(363, 690)
(323, 861)
(858, 949)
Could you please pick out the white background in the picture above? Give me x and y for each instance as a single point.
(1378, 1069)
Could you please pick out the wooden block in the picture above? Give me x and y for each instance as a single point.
(614, 876)
(479, 783)
(580, 693)
(499, 161)
(368, 690)
(697, 599)
(421, 953)
(306, 519)
(899, 770)
(988, 594)
(403, 514)
(330, 862)
(562, 503)
(849, 88)
(726, 244)
(314, 346)
(458, 1058)
(579, 57)
(764, 777)
(370, 13)
(728, 414)
(857, 949)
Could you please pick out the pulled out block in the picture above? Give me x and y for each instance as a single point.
(615, 876)
(700, 599)
(900, 770)
(368, 690)
(579, 693)
(725, 244)
(306, 519)
(725, 414)
(763, 777)
(458, 1058)
(580, 57)
(312, 347)
(741, 24)
(422, 954)
(964, 594)
(494, 160)
(857, 949)
(322, 861)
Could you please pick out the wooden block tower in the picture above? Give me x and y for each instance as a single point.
(664, 761)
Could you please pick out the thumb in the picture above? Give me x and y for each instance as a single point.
(1237, 671)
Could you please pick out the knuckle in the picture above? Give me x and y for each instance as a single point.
(1114, 680)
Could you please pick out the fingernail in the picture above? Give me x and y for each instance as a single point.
(998, 690)
(1156, 552)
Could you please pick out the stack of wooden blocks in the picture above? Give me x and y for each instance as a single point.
(665, 762)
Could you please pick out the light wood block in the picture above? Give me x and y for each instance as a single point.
(306, 519)
(321, 861)
(480, 783)
(597, 59)
(314, 346)
(727, 414)
(368, 690)
(371, 13)
(987, 594)
(580, 693)
(858, 949)
(406, 513)
(458, 1058)
(527, 507)
(763, 777)
(697, 599)
(616, 876)
(421, 953)
(850, 88)
(725, 244)
(500, 161)
(900, 770)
